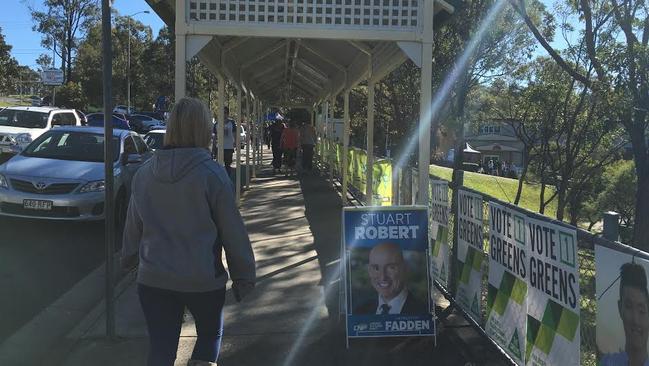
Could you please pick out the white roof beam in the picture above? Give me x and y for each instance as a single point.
(325, 58)
(267, 52)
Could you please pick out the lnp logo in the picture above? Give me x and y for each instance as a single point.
(40, 185)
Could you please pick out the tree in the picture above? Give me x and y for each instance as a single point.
(8, 65)
(61, 25)
(44, 62)
(615, 36)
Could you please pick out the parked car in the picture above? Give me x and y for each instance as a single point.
(19, 126)
(123, 109)
(36, 101)
(97, 120)
(155, 139)
(82, 117)
(160, 116)
(60, 175)
(142, 123)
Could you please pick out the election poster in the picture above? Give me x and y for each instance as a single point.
(470, 252)
(507, 291)
(553, 303)
(387, 282)
(622, 305)
(439, 212)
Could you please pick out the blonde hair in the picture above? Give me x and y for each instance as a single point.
(189, 124)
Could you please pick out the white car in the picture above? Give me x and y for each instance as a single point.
(19, 126)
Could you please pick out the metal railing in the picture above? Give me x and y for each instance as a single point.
(407, 191)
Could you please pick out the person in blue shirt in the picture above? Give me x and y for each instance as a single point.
(633, 307)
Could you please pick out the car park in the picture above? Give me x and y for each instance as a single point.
(142, 123)
(122, 109)
(19, 126)
(97, 120)
(60, 175)
(155, 139)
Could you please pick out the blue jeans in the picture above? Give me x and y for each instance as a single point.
(163, 311)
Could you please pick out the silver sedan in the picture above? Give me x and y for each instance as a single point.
(61, 175)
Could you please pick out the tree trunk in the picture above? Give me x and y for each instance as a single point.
(526, 164)
(561, 204)
(641, 221)
(542, 197)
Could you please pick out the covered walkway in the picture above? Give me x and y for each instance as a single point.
(288, 320)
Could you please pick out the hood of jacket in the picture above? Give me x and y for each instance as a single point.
(171, 165)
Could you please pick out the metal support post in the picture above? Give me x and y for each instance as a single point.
(237, 148)
(248, 140)
(425, 103)
(611, 226)
(109, 202)
(345, 160)
(220, 121)
(424, 121)
(369, 194)
(253, 131)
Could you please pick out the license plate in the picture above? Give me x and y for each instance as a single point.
(37, 205)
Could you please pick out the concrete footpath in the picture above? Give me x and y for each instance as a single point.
(292, 316)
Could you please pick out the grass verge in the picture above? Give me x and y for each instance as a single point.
(501, 188)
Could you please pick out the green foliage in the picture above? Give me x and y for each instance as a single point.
(615, 192)
(61, 22)
(71, 95)
(8, 65)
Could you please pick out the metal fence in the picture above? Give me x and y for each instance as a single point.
(406, 192)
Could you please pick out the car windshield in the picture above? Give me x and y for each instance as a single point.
(155, 140)
(70, 145)
(20, 118)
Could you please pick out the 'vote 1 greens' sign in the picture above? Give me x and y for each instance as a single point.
(387, 285)
(506, 296)
(553, 306)
(470, 251)
(439, 211)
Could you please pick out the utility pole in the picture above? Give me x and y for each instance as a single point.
(109, 203)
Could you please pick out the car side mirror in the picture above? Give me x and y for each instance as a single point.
(131, 159)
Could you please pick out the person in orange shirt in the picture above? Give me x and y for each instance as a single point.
(289, 144)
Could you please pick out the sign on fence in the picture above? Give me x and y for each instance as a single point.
(439, 212)
(470, 252)
(507, 293)
(622, 307)
(553, 304)
(386, 281)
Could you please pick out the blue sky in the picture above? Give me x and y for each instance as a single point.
(17, 26)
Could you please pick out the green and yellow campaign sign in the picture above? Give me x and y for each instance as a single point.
(382, 182)
(439, 209)
(553, 307)
(507, 292)
(470, 252)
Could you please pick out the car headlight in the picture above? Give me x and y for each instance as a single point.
(3, 182)
(96, 186)
(23, 138)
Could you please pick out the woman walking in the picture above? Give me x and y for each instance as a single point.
(181, 215)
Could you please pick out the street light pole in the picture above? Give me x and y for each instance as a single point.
(128, 72)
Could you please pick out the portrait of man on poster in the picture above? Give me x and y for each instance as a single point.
(387, 271)
(633, 309)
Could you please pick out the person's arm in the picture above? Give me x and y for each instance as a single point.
(232, 233)
(132, 235)
(282, 139)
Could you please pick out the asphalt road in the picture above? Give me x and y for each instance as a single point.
(40, 261)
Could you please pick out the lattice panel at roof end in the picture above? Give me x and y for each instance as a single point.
(353, 14)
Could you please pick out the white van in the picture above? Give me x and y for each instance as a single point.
(19, 126)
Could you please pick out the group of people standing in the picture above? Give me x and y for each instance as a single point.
(285, 142)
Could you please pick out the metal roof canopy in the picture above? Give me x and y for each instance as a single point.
(305, 63)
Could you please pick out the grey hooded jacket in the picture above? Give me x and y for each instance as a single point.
(181, 215)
